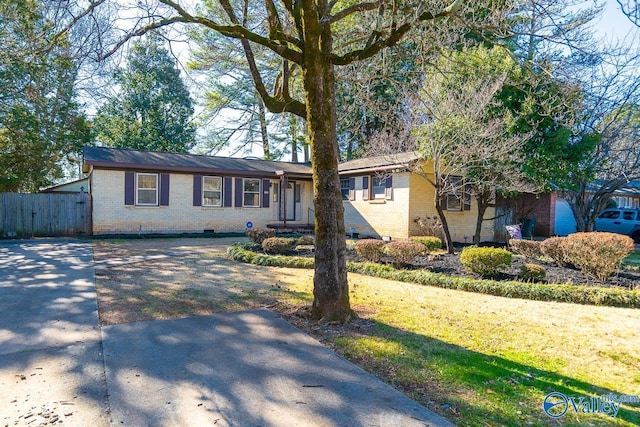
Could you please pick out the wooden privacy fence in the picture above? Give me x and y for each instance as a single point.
(44, 214)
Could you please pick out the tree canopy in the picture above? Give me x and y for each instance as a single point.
(152, 109)
(41, 127)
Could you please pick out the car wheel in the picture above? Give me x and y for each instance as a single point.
(636, 237)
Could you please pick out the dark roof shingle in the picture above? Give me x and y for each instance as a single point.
(379, 162)
(117, 158)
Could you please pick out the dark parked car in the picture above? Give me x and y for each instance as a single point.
(621, 221)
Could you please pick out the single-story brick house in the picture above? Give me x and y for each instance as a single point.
(383, 197)
(152, 192)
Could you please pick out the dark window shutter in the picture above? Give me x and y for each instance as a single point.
(265, 193)
(164, 189)
(352, 188)
(197, 190)
(129, 188)
(227, 191)
(239, 192)
(467, 197)
(388, 190)
(365, 188)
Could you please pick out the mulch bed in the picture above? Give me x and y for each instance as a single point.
(450, 265)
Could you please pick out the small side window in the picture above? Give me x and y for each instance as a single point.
(628, 215)
(610, 215)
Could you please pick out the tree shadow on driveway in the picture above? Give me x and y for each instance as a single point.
(51, 364)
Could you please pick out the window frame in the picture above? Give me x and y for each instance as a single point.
(245, 192)
(138, 189)
(456, 194)
(345, 195)
(382, 184)
(613, 214)
(204, 203)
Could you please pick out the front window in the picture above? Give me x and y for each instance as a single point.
(251, 196)
(211, 191)
(147, 189)
(344, 188)
(378, 187)
(453, 193)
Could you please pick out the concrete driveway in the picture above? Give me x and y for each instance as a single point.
(51, 364)
(246, 368)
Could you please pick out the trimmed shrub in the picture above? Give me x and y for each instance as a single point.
(370, 249)
(431, 243)
(594, 295)
(258, 235)
(485, 261)
(527, 248)
(306, 240)
(597, 254)
(278, 245)
(532, 273)
(403, 252)
(555, 248)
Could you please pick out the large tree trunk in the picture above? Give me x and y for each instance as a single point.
(330, 291)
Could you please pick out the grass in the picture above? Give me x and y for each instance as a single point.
(476, 359)
(486, 360)
(596, 295)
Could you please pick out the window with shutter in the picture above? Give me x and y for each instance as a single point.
(211, 191)
(147, 189)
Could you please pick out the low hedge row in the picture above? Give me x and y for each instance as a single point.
(535, 291)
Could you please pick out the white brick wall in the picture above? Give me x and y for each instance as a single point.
(380, 217)
(412, 197)
(376, 218)
(112, 216)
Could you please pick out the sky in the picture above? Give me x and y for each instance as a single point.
(612, 26)
(614, 23)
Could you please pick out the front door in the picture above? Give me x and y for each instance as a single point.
(288, 202)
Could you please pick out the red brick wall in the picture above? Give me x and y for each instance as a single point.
(540, 206)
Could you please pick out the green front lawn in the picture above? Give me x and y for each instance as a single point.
(487, 360)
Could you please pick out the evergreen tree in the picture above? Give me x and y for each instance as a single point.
(41, 127)
(153, 108)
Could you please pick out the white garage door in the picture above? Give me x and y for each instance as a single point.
(565, 222)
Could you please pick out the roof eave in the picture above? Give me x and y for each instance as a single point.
(385, 168)
(188, 169)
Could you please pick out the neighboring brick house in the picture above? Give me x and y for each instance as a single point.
(553, 214)
(152, 192)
